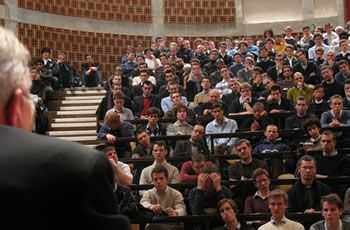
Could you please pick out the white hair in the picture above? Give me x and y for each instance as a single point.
(14, 70)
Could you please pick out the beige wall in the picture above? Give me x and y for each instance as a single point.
(252, 17)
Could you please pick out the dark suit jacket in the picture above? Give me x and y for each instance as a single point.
(46, 183)
(138, 104)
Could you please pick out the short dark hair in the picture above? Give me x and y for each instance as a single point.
(341, 62)
(159, 143)
(311, 122)
(154, 110)
(140, 130)
(211, 169)
(147, 82)
(243, 141)
(218, 105)
(258, 172)
(332, 199)
(231, 202)
(305, 158)
(160, 169)
(277, 193)
(197, 157)
(275, 88)
(45, 50)
(329, 133)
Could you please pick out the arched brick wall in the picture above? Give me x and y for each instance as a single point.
(112, 10)
(199, 11)
(106, 48)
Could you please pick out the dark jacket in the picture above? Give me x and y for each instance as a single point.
(55, 184)
(298, 200)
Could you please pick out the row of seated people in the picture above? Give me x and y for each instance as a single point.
(203, 199)
(114, 128)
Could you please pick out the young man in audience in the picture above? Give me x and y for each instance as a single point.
(122, 172)
(346, 99)
(330, 85)
(244, 168)
(313, 141)
(331, 162)
(203, 96)
(221, 124)
(163, 200)
(275, 103)
(143, 147)
(91, 72)
(159, 152)
(181, 126)
(278, 203)
(344, 72)
(146, 100)
(307, 68)
(167, 102)
(336, 116)
(332, 210)
(125, 113)
(209, 191)
(113, 129)
(196, 144)
(191, 169)
(318, 104)
(306, 193)
(258, 203)
(297, 120)
(272, 143)
(244, 103)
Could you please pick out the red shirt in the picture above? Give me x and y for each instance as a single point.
(146, 105)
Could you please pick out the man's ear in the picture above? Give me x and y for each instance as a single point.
(14, 113)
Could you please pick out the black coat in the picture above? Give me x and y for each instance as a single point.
(46, 183)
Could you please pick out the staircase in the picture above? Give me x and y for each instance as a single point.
(73, 115)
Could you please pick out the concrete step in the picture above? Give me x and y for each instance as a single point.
(88, 140)
(77, 113)
(74, 119)
(84, 88)
(98, 97)
(72, 133)
(80, 102)
(74, 108)
(85, 93)
(73, 126)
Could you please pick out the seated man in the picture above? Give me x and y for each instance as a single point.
(278, 203)
(258, 121)
(244, 168)
(336, 116)
(275, 103)
(297, 120)
(332, 210)
(191, 169)
(272, 143)
(203, 96)
(167, 102)
(181, 126)
(146, 100)
(306, 193)
(221, 124)
(244, 103)
(318, 103)
(124, 113)
(209, 191)
(331, 162)
(203, 110)
(112, 129)
(159, 153)
(299, 89)
(122, 172)
(91, 72)
(196, 144)
(313, 141)
(153, 127)
(259, 201)
(143, 147)
(162, 199)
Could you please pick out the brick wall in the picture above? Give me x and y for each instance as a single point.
(199, 11)
(112, 10)
(106, 48)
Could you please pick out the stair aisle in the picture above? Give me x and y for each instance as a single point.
(73, 115)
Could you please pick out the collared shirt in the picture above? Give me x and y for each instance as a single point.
(334, 153)
(284, 224)
(153, 132)
(340, 225)
(167, 104)
(224, 87)
(170, 198)
(146, 177)
(201, 97)
(228, 126)
(125, 115)
(179, 128)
